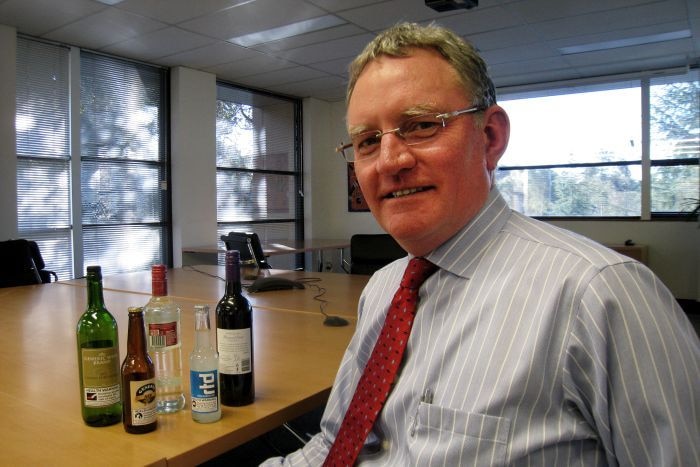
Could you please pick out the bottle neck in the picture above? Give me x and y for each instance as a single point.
(159, 288)
(95, 296)
(202, 330)
(233, 278)
(136, 338)
(159, 281)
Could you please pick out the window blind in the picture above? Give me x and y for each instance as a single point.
(124, 197)
(258, 158)
(43, 151)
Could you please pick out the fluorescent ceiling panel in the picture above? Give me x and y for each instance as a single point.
(290, 30)
(630, 41)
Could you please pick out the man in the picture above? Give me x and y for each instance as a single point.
(530, 345)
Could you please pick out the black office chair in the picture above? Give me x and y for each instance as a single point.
(370, 252)
(248, 244)
(21, 263)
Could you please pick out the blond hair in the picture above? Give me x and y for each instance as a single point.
(464, 58)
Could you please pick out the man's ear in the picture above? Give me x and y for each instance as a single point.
(496, 126)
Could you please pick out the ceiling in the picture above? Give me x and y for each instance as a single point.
(523, 41)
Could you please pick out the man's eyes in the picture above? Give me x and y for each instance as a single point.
(419, 127)
(365, 142)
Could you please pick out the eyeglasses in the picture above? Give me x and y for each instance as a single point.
(415, 130)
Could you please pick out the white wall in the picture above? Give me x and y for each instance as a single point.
(8, 157)
(193, 151)
(329, 216)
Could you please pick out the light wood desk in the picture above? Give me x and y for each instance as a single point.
(205, 284)
(296, 359)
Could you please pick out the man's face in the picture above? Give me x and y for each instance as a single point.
(422, 194)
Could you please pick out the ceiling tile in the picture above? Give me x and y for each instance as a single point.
(380, 16)
(619, 34)
(614, 57)
(106, 27)
(503, 38)
(339, 5)
(310, 87)
(173, 12)
(161, 43)
(256, 16)
(280, 77)
(338, 67)
(259, 63)
(535, 11)
(345, 47)
(208, 56)
(519, 38)
(311, 38)
(37, 17)
(611, 20)
(479, 20)
(521, 54)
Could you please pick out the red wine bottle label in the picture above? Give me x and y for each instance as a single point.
(101, 376)
(143, 401)
(235, 351)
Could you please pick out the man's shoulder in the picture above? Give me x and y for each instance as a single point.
(552, 238)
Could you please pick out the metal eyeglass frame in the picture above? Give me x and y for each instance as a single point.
(400, 131)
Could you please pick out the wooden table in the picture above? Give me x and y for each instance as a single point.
(205, 284)
(296, 359)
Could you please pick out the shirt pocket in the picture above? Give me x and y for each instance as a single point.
(448, 436)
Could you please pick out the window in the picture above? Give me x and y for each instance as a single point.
(258, 160)
(674, 143)
(582, 151)
(124, 197)
(121, 219)
(43, 152)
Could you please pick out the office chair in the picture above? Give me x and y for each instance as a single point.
(248, 244)
(370, 252)
(21, 263)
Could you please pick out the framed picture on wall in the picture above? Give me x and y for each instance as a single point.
(356, 200)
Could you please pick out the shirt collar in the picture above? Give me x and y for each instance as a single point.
(460, 254)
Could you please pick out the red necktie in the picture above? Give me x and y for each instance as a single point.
(382, 366)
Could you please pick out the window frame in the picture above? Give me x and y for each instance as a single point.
(223, 225)
(73, 233)
(646, 163)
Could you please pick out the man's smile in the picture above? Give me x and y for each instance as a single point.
(406, 192)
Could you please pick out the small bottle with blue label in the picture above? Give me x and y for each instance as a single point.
(204, 374)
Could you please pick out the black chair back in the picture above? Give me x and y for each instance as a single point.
(18, 265)
(249, 246)
(370, 252)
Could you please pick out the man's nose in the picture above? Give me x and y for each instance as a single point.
(394, 154)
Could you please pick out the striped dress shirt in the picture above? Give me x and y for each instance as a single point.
(532, 346)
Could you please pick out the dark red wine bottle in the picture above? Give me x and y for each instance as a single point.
(234, 339)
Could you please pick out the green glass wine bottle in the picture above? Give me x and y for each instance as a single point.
(98, 358)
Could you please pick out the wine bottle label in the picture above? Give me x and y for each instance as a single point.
(101, 376)
(143, 401)
(162, 334)
(235, 351)
(204, 385)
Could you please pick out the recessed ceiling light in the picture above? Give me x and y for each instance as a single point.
(290, 30)
(110, 2)
(630, 41)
